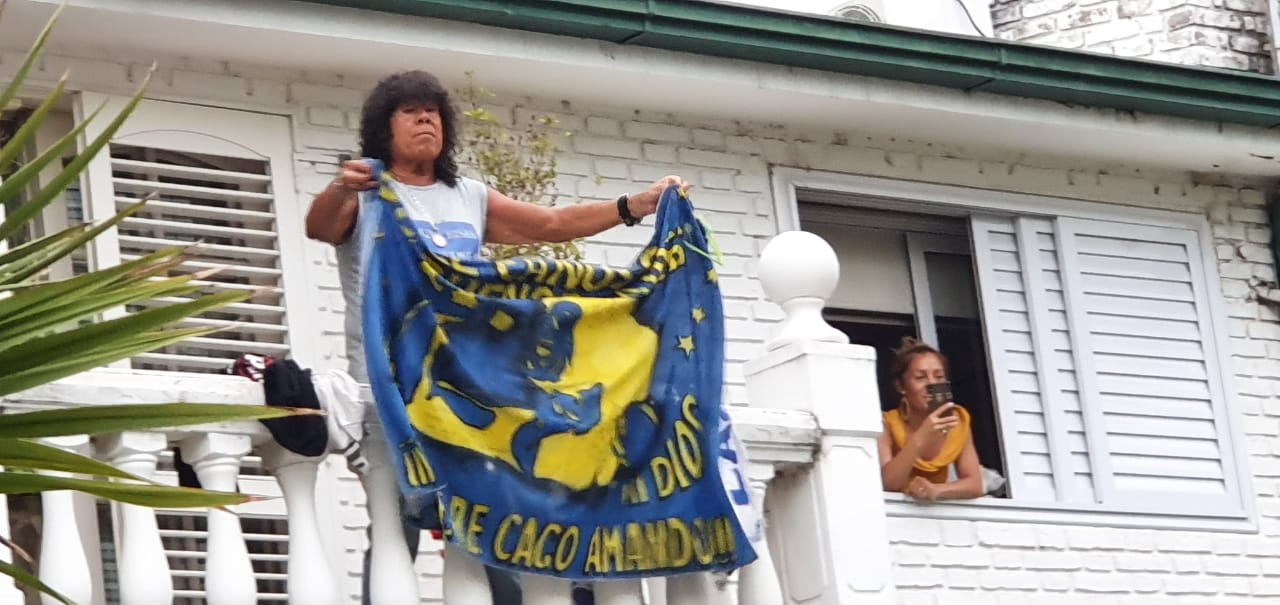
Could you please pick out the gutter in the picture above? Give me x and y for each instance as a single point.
(1070, 77)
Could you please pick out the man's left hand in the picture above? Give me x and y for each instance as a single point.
(646, 202)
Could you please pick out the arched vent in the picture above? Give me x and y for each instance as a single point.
(859, 12)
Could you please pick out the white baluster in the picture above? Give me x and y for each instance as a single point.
(64, 566)
(228, 573)
(311, 580)
(619, 592)
(758, 582)
(539, 590)
(392, 579)
(144, 576)
(697, 589)
(831, 526)
(655, 590)
(465, 581)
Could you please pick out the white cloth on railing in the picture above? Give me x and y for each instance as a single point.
(339, 396)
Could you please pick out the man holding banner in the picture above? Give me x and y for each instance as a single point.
(565, 417)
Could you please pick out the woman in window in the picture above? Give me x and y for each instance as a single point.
(921, 442)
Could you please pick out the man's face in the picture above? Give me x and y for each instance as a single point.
(417, 134)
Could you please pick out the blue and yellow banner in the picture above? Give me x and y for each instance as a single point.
(567, 416)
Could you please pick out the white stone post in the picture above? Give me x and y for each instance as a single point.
(144, 576)
(534, 589)
(228, 572)
(697, 589)
(655, 591)
(392, 579)
(311, 580)
(619, 592)
(829, 517)
(758, 582)
(64, 566)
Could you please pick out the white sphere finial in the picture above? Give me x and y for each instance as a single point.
(799, 271)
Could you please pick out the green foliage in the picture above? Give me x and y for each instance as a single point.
(519, 161)
(53, 329)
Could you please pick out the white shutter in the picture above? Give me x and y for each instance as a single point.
(223, 179)
(1146, 344)
(1031, 363)
(185, 535)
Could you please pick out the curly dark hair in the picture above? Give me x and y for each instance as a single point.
(395, 90)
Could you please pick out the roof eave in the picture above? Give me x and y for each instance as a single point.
(850, 47)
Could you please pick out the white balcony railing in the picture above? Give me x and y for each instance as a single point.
(806, 440)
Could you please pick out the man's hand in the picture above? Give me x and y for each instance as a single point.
(355, 175)
(646, 202)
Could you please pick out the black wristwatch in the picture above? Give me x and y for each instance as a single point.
(625, 213)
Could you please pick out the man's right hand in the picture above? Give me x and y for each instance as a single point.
(356, 175)
(332, 215)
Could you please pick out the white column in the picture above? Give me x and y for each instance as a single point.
(465, 581)
(534, 589)
(64, 566)
(758, 582)
(228, 573)
(619, 592)
(311, 578)
(697, 589)
(830, 515)
(392, 580)
(655, 591)
(144, 576)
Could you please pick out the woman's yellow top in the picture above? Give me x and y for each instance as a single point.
(935, 469)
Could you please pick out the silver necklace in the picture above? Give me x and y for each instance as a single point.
(437, 238)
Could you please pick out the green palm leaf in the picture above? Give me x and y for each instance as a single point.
(158, 496)
(22, 577)
(37, 298)
(34, 263)
(11, 91)
(19, 140)
(69, 173)
(29, 455)
(135, 417)
(107, 341)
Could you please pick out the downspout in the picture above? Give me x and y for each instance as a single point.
(1273, 12)
(1267, 292)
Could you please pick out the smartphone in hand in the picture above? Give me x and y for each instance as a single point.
(939, 394)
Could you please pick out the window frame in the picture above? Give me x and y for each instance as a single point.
(790, 185)
(918, 245)
(300, 317)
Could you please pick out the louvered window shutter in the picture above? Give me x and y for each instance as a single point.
(1144, 337)
(1030, 350)
(1103, 353)
(219, 177)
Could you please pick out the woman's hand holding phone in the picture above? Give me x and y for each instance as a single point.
(933, 431)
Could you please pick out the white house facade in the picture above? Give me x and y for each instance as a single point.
(1088, 237)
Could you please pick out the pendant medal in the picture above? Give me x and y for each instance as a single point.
(439, 239)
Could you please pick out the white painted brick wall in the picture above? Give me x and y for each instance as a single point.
(935, 561)
(1233, 34)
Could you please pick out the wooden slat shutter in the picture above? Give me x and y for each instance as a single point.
(1143, 332)
(1031, 362)
(220, 176)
